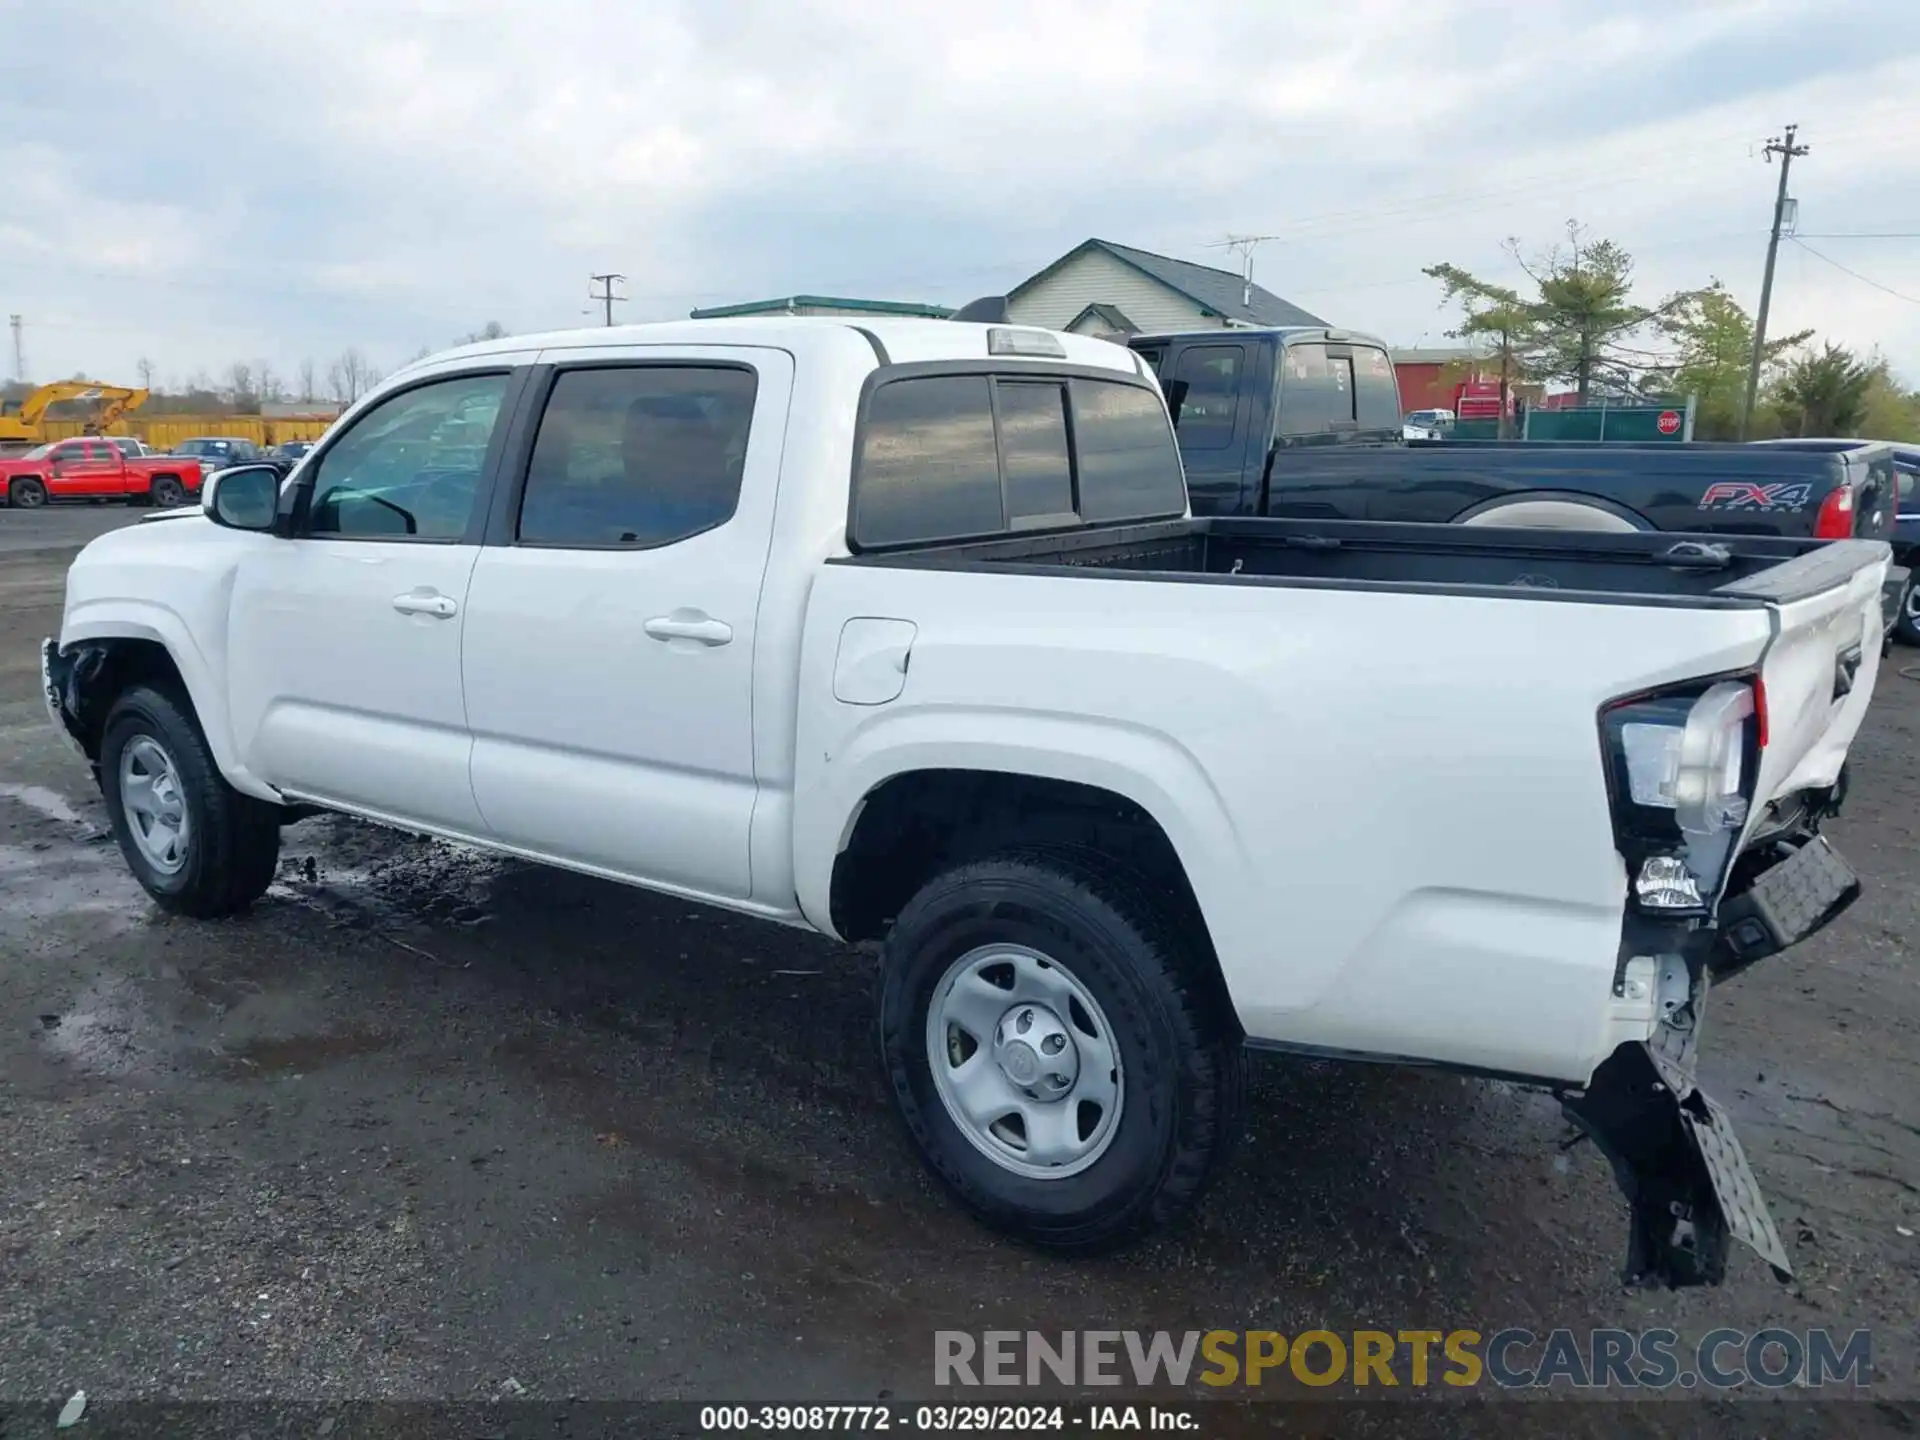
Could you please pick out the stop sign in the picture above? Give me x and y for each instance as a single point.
(1669, 422)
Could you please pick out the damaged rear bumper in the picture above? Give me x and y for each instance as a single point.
(1681, 1167)
(1673, 1150)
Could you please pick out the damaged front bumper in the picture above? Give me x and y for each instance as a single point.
(1673, 1150)
(58, 686)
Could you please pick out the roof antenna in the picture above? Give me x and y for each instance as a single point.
(1244, 246)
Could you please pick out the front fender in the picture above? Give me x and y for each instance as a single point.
(108, 619)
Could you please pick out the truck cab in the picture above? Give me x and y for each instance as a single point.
(1239, 396)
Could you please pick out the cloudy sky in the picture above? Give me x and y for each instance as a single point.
(203, 181)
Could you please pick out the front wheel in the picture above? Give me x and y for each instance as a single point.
(196, 845)
(1055, 1050)
(26, 493)
(1906, 622)
(166, 492)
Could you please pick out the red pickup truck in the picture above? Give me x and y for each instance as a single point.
(94, 469)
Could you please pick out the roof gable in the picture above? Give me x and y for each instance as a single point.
(1221, 292)
(1111, 316)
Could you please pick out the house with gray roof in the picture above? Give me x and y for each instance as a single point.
(1100, 288)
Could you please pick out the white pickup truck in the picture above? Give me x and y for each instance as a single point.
(903, 632)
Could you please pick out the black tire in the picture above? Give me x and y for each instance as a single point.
(1906, 622)
(26, 493)
(166, 492)
(233, 845)
(1181, 1057)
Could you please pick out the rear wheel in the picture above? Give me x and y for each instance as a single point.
(166, 492)
(1906, 624)
(27, 493)
(1055, 1050)
(196, 845)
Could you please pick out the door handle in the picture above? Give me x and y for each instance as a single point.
(690, 625)
(426, 602)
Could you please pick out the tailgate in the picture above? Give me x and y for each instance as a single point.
(1819, 670)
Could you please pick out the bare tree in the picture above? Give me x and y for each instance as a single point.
(349, 376)
(309, 381)
(240, 390)
(268, 385)
(145, 369)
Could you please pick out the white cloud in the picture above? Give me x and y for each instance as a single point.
(392, 175)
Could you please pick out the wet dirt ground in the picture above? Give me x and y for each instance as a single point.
(426, 1121)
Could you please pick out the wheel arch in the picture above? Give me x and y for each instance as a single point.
(112, 647)
(914, 821)
(1555, 510)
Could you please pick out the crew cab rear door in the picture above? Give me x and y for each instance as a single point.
(613, 612)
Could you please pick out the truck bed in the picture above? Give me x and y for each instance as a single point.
(1719, 487)
(1696, 571)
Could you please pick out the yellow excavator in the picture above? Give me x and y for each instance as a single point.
(22, 425)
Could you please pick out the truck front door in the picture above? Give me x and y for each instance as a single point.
(82, 470)
(344, 641)
(611, 623)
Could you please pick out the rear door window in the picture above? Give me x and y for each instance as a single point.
(640, 455)
(1206, 383)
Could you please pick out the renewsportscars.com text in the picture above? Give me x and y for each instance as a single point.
(1511, 1358)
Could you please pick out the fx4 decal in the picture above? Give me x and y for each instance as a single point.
(1746, 495)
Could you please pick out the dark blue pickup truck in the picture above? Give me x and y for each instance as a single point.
(1305, 422)
(1906, 537)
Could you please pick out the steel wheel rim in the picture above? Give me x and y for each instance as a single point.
(1025, 1062)
(1913, 604)
(154, 805)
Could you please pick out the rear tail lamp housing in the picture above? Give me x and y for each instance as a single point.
(1681, 766)
(1835, 520)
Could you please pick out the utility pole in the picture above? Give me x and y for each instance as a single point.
(19, 350)
(605, 293)
(1786, 150)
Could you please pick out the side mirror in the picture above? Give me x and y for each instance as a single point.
(242, 498)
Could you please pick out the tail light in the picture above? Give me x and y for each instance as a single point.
(1835, 521)
(1681, 767)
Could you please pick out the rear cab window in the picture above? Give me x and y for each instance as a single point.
(962, 456)
(1328, 388)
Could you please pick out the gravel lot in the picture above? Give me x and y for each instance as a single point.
(426, 1120)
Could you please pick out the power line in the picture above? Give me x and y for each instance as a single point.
(1863, 279)
(1786, 150)
(605, 294)
(1865, 235)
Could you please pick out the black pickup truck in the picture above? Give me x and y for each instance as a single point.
(1305, 422)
